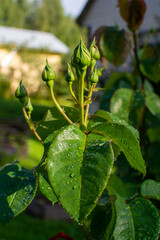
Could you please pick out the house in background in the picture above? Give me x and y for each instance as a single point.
(99, 13)
(23, 53)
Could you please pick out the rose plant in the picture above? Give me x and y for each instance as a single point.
(77, 168)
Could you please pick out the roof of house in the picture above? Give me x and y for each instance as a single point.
(32, 39)
(84, 11)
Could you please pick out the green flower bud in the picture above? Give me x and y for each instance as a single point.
(94, 51)
(94, 77)
(48, 73)
(29, 107)
(100, 71)
(69, 76)
(21, 93)
(81, 57)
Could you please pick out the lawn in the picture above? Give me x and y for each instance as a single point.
(25, 227)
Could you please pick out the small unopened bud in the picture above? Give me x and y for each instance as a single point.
(94, 51)
(21, 93)
(29, 107)
(69, 76)
(48, 73)
(94, 77)
(100, 71)
(81, 57)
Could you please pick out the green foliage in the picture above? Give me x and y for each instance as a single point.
(125, 140)
(132, 12)
(45, 15)
(44, 185)
(133, 218)
(82, 167)
(151, 189)
(17, 189)
(114, 53)
(149, 63)
(72, 164)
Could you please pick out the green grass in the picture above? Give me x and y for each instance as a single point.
(25, 227)
(12, 109)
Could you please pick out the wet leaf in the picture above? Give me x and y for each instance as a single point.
(116, 80)
(136, 220)
(102, 115)
(125, 140)
(45, 186)
(78, 169)
(146, 219)
(153, 103)
(132, 12)
(53, 119)
(124, 227)
(114, 45)
(122, 189)
(128, 105)
(120, 103)
(150, 63)
(17, 189)
(151, 189)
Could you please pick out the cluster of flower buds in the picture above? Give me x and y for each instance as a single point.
(95, 54)
(48, 75)
(22, 95)
(83, 58)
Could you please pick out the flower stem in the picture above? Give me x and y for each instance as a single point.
(81, 96)
(137, 59)
(88, 105)
(59, 108)
(86, 232)
(31, 125)
(72, 93)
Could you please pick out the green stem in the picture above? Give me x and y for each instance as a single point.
(72, 93)
(137, 59)
(59, 108)
(31, 125)
(86, 232)
(81, 96)
(88, 105)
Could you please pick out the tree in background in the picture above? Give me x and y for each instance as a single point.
(44, 15)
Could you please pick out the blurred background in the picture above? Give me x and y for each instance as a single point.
(32, 31)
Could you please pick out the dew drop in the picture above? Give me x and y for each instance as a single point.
(130, 148)
(122, 141)
(74, 187)
(72, 175)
